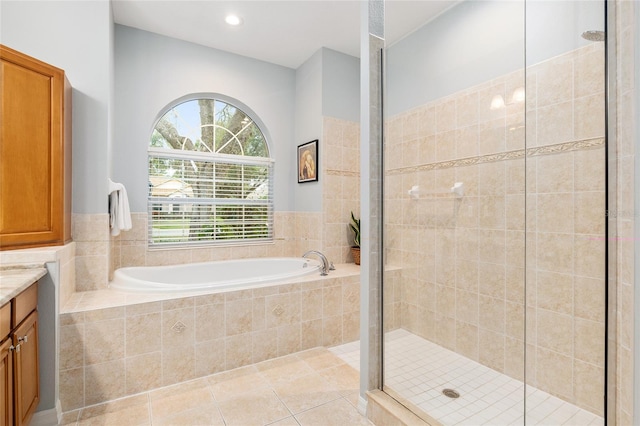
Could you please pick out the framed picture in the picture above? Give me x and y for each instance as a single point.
(308, 162)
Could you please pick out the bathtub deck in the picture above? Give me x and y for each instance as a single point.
(109, 298)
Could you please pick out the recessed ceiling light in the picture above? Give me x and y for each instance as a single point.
(234, 20)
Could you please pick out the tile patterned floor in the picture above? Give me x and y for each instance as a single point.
(418, 370)
(313, 387)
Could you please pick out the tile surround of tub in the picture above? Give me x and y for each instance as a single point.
(306, 388)
(294, 233)
(467, 257)
(111, 348)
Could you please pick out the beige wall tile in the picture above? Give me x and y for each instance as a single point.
(238, 351)
(555, 252)
(555, 292)
(332, 330)
(210, 322)
(588, 387)
(589, 298)
(491, 313)
(492, 136)
(239, 316)
(311, 334)
(104, 341)
(282, 309)
(555, 173)
(178, 364)
(467, 340)
(491, 349)
(554, 81)
(514, 358)
(71, 389)
(105, 381)
(589, 170)
(589, 72)
(589, 341)
(264, 344)
(554, 373)
(143, 372)
(71, 346)
(555, 212)
(589, 117)
(289, 339)
(590, 256)
(142, 334)
(178, 329)
(210, 357)
(467, 307)
(555, 331)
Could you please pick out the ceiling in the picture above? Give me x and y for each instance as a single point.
(286, 33)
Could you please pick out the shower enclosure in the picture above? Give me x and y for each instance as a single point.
(494, 215)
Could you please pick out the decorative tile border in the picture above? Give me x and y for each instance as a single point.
(342, 173)
(505, 156)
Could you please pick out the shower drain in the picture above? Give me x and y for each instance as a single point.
(450, 393)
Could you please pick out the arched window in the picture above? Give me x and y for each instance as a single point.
(210, 177)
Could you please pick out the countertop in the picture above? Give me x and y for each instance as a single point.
(14, 279)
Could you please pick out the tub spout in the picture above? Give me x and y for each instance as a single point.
(326, 265)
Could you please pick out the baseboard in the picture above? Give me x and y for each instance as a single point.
(49, 417)
(362, 405)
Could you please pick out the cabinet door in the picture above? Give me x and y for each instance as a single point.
(26, 374)
(32, 149)
(6, 383)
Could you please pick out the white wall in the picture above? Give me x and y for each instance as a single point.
(74, 36)
(476, 41)
(308, 126)
(152, 71)
(327, 85)
(340, 85)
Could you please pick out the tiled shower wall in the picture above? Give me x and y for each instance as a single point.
(340, 156)
(99, 254)
(463, 260)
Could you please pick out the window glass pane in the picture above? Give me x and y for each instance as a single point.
(215, 198)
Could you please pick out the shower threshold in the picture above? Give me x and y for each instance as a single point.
(417, 371)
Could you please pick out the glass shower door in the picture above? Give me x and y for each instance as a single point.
(454, 236)
(494, 215)
(565, 163)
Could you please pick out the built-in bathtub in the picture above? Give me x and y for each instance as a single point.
(212, 276)
(117, 343)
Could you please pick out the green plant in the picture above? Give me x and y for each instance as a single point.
(355, 227)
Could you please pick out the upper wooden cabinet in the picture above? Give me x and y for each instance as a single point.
(35, 152)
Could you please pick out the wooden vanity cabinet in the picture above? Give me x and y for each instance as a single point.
(35, 152)
(25, 369)
(19, 366)
(6, 382)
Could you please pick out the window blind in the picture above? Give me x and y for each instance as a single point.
(198, 198)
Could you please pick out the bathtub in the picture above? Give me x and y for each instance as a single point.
(211, 276)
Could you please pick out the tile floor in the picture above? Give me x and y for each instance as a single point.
(313, 387)
(320, 387)
(418, 370)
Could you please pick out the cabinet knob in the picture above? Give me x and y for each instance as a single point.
(23, 339)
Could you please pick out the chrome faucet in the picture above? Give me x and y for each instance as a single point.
(326, 265)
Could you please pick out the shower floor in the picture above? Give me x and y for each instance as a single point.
(419, 370)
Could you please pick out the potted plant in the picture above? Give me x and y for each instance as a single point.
(355, 249)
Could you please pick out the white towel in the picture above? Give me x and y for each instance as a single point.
(119, 213)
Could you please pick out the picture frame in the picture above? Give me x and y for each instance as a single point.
(308, 162)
